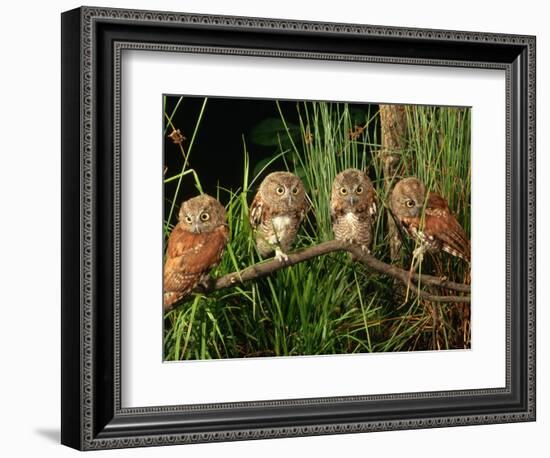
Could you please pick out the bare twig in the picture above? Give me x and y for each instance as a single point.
(265, 268)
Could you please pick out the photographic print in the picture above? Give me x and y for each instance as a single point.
(297, 227)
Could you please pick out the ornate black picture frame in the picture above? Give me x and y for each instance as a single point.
(92, 42)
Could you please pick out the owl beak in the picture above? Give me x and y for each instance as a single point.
(290, 199)
(352, 200)
(196, 228)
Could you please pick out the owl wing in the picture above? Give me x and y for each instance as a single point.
(308, 207)
(336, 209)
(258, 212)
(371, 199)
(441, 224)
(189, 256)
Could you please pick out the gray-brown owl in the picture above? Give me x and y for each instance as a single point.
(428, 220)
(195, 245)
(353, 206)
(277, 212)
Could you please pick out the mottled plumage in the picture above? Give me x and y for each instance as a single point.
(277, 212)
(353, 206)
(438, 229)
(195, 245)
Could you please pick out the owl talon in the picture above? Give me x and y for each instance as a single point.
(207, 283)
(280, 256)
(418, 253)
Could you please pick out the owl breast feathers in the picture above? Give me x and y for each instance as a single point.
(195, 246)
(277, 212)
(428, 220)
(353, 206)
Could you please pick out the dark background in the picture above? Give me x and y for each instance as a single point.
(217, 153)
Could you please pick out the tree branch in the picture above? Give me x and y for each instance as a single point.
(265, 268)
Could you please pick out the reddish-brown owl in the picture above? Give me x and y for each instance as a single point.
(195, 246)
(428, 220)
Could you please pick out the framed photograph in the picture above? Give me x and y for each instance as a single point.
(276, 228)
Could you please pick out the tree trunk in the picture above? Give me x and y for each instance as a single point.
(393, 127)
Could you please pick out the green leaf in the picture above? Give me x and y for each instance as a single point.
(358, 116)
(268, 131)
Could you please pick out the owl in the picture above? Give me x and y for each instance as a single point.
(352, 207)
(277, 212)
(195, 245)
(428, 220)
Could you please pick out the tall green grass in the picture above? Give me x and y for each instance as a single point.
(330, 304)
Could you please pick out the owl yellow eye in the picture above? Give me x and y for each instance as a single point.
(359, 190)
(205, 216)
(343, 191)
(188, 219)
(295, 191)
(409, 203)
(280, 190)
